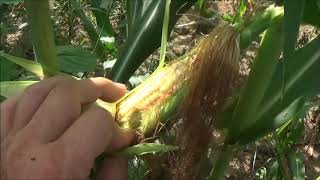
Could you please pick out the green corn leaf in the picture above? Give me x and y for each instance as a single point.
(7, 68)
(101, 10)
(312, 12)
(145, 34)
(302, 68)
(13, 88)
(31, 66)
(291, 132)
(262, 127)
(258, 24)
(71, 59)
(75, 59)
(297, 166)
(145, 148)
(259, 78)
(135, 11)
(293, 11)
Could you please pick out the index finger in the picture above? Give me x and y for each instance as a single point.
(99, 88)
(64, 104)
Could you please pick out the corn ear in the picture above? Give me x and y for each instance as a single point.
(152, 101)
(194, 80)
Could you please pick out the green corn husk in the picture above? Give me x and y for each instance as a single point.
(148, 103)
(203, 77)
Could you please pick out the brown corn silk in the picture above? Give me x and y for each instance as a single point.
(202, 79)
(214, 69)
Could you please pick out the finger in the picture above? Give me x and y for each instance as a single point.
(114, 168)
(89, 136)
(122, 138)
(7, 115)
(32, 98)
(100, 88)
(117, 167)
(63, 105)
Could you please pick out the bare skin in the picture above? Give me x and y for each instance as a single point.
(54, 131)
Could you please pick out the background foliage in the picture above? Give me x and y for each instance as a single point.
(271, 123)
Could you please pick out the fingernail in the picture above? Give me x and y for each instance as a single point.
(121, 86)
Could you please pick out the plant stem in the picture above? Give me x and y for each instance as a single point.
(39, 19)
(165, 30)
(221, 163)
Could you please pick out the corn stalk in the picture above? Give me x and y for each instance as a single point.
(39, 19)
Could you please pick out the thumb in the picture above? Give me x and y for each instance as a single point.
(116, 168)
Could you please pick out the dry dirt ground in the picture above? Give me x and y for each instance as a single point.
(189, 28)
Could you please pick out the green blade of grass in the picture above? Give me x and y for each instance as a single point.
(241, 10)
(297, 166)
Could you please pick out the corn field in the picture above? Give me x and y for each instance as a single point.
(198, 105)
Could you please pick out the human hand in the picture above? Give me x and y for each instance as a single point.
(54, 131)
